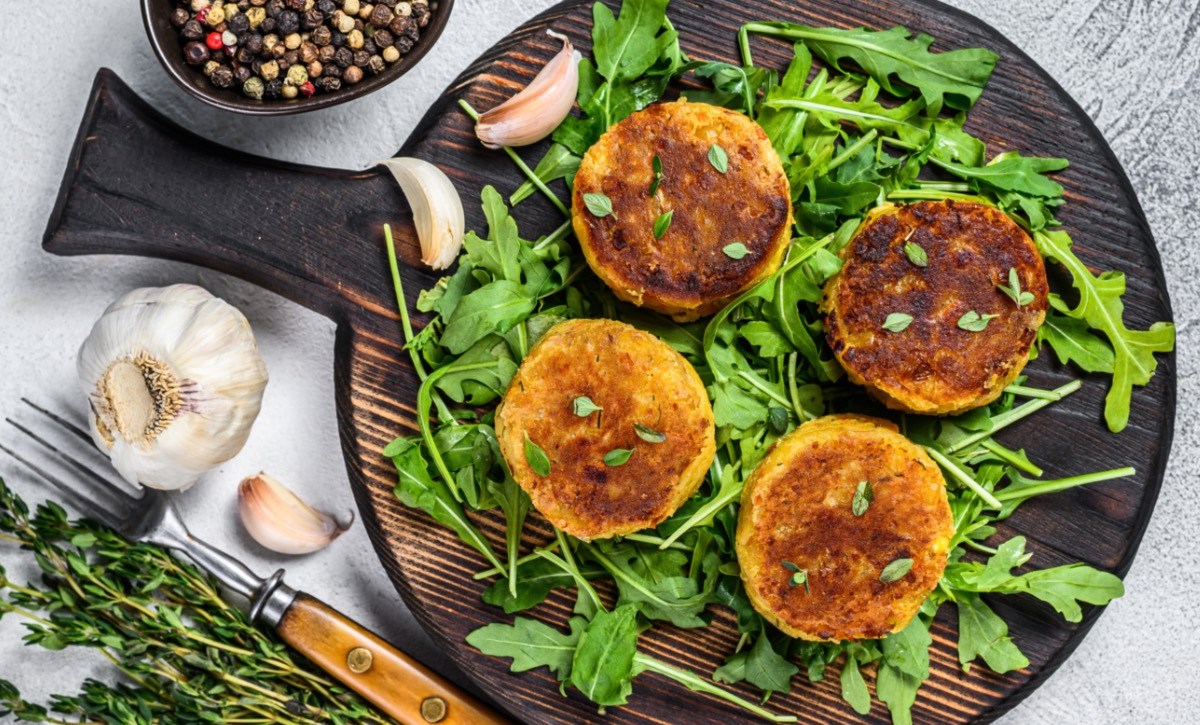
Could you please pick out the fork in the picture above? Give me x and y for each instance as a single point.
(396, 683)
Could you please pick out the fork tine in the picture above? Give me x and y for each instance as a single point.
(84, 435)
(89, 507)
(109, 487)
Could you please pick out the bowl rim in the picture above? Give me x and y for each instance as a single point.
(170, 58)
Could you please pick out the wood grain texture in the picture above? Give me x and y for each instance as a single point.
(396, 683)
(131, 187)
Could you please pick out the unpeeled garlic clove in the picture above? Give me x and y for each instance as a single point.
(436, 207)
(533, 113)
(281, 521)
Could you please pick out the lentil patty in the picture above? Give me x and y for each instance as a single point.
(636, 379)
(934, 366)
(797, 508)
(685, 273)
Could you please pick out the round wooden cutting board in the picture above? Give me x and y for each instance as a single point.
(130, 188)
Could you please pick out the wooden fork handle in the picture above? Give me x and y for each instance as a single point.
(396, 683)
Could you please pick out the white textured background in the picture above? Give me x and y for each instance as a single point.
(1132, 64)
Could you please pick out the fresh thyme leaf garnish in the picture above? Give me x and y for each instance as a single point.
(916, 254)
(617, 456)
(972, 321)
(737, 250)
(536, 458)
(583, 406)
(897, 322)
(895, 571)
(1013, 289)
(662, 223)
(799, 576)
(864, 494)
(718, 158)
(656, 164)
(598, 204)
(648, 434)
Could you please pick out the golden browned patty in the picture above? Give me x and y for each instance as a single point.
(685, 273)
(797, 507)
(637, 380)
(934, 366)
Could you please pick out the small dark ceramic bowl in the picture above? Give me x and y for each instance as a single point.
(168, 46)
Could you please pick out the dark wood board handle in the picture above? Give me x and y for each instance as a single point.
(137, 183)
(396, 683)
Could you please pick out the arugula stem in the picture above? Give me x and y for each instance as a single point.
(568, 564)
(708, 509)
(523, 560)
(965, 478)
(406, 324)
(943, 185)
(978, 546)
(1011, 458)
(424, 394)
(533, 178)
(936, 195)
(848, 114)
(654, 541)
(692, 681)
(1034, 392)
(1009, 417)
(851, 150)
(743, 39)
(758, 384)
(1010, 493)
(620, 574)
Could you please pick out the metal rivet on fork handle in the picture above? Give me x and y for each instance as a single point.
(433, 709)
(359, 660)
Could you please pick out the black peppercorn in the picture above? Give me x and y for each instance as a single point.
(244, 55)
(288, 22)
(274, 89)
(380, 16)
(242, 74)
(383, 39)
(420, 13)
(326, 6)
(312, 19)
(239, 23)
(332, 69)
(254, 43)
(329, 83)
(389, 3)
(361, 57)
(292, 57)
(343, 57)
(352, 75)
(370, 47)
(267, 25)
(195, 53)
(192, 30)
(274, 8)
(222, 77)
(337, 39)
(297, 5)
(180, 17)
(375, 64)
(403, 44)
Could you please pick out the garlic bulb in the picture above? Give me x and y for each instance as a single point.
(281, 521)
(174, 380)
(436, 207)
(533, 113)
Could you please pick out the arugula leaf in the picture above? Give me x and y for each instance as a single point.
(854, 687)
(530, 644)
(1010, 172)
(760, 665)
(627, 46)
(602, 668)
(417, 489)
(1101, 307)
(983, 634)
(494, 307)
(1073, 341)
(479, 387)
(898, 690)
(653, 581)
(558, 163)
(908, 649)
(535, 579)
(955, 77)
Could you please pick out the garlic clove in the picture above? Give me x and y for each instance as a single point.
(533, 113)
(436, 207)
(281, 521)
(175, 382)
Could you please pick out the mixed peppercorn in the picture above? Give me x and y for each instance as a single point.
(288, 48)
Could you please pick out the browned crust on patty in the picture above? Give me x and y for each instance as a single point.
(796, 507)
(635, 378)
(685, 273)
(935, 367)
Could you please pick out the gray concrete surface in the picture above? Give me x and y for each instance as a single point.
(1134, 65)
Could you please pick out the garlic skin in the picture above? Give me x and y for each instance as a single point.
(174, 380)
(533, 113)
(281, 521)
(436, 207)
